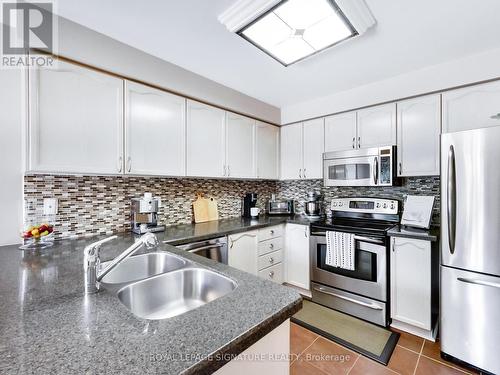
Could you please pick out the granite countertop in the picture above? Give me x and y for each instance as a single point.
(48, 325)
(431, 234)
(184, 233)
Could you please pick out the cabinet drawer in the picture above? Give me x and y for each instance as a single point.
(270, 245)
(273, 273)
(270, 259)
(270, 232)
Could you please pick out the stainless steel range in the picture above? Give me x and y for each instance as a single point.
(362, 292)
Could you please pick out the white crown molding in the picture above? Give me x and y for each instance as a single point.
(358, 13)
(243, 12)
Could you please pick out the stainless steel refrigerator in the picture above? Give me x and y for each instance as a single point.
(470, 247)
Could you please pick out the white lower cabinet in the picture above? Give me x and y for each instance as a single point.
(259, 252)
(297, 255)
(411, 285)
(242, 252)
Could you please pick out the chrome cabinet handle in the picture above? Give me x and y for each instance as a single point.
(478, 282)
(305, 231)
(224, 170)
(375, 170)
(271, 274)
(400, 169)
(300, 173)
(120, 164)
(271, 260)
(129, 163)
(271, 246)
(359, 142)
(304, 173)
(271, 231)
(451, 199)
(353, 142)
(228, 171)
(393, 244)
(372, 306)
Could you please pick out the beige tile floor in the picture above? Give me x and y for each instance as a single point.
(313, 354)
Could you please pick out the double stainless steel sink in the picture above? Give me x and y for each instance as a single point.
(160, 285)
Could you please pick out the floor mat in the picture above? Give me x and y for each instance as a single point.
(372, 341)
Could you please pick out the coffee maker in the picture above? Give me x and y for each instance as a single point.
(249, 201)
(144, 215)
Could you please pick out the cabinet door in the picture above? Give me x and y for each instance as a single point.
(291, 152)
(242, 253)
(471, 107)
(377, 126)
(411, 282)
(313, 146)
(240, 145)
(205, 140)
(297, 255)
(155, 131)
(267, 151)
(340, 132)
(419, 130)
(76, 120)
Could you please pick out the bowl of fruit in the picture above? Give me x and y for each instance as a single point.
(38, 237)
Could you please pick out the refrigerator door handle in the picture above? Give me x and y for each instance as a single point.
(451, 199)
(478, 282)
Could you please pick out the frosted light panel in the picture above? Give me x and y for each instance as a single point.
(298, 28)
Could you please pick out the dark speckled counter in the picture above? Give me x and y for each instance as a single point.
(48, 325)
(183, 233)
(418, 234)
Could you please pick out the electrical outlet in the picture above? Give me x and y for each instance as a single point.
(50, 206)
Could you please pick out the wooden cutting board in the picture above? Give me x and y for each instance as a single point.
(205, 209)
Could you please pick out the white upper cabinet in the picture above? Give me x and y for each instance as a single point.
(291, 152)
(313, 148)
(377, 126)
(340, 132)
(471, 107)
(205, 140)
(240, 145)
(155, 131)
(76, 121)
(302, 147)
(267, 151)
(419, 129)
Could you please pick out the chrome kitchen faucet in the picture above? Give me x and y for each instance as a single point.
(92, 261)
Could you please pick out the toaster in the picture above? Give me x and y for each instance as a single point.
(280, 207)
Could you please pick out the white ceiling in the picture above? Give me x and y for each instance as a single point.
(410, 34)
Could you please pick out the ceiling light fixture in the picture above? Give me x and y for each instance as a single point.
(291, 30)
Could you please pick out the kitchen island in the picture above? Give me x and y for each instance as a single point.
(48, 324)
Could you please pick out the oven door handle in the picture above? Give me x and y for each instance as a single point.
(214, 246)
(372, 306)
(357, 238)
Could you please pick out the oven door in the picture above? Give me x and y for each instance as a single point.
(369, 278)
(351, 171)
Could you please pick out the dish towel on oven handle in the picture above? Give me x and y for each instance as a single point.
(340, 249)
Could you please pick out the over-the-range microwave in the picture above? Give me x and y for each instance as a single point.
(364, 167)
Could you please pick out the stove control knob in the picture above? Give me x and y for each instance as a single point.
(378, 205)
(334, 204)
(392, 206)
(341, 204)
(385, 205)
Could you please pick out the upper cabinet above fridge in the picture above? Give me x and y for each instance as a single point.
(471, 107)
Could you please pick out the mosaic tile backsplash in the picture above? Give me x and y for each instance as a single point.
(91, 205)
(296, 190)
